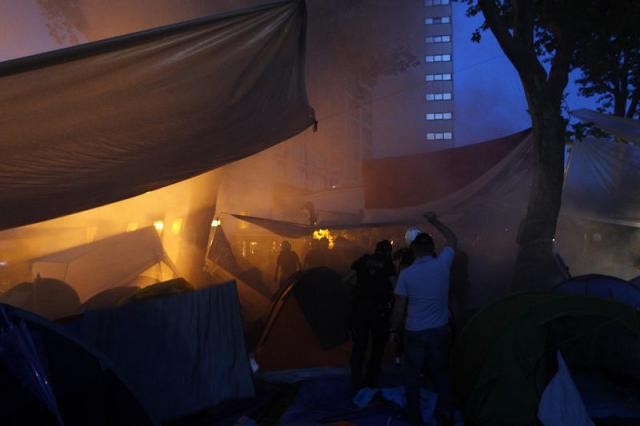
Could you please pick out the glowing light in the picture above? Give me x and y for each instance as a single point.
(324, 233)
(3, 263)
(176, 226)
(216, 222)
(132, 226)
(159, 225)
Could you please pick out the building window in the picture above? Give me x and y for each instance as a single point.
(438, 58)
(437, 77)
(436, 2)
(438, 39)
(438, 116)
(437, 20)
(444, 96)
(438, 136)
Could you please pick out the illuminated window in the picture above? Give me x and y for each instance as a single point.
(438, 136)
(437, 58)
(438, 116)
(438, 39)
(437, 20)
(446, 96)
(429, 3)
(437, 77)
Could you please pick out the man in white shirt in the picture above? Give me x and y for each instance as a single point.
(423, 288)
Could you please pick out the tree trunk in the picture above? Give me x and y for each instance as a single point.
(535, 265)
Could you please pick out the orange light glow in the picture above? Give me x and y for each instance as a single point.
(159, 225)
(324, 233)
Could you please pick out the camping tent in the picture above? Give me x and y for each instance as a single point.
(103, 264)
(96, 123)
(602, 286)
(179, 353)
(503, 358)
(307, 326)
(85, 387)
(47, 297)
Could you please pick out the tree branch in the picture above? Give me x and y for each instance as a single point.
(559, 73)
(500, 30)
(524, 12)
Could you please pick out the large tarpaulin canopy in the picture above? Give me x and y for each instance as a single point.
(417, 179)
(602, 182)
(297, 230)
(96, 123)
(622, 127)
(492, 175)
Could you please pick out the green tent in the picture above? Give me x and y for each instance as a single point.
(505, 356)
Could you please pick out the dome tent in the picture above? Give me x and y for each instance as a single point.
(602, 286)
(81, 382)
(503, 359)
(307, 326)
(47, 297)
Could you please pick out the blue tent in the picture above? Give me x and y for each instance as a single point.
(48, 377)
(602, 286)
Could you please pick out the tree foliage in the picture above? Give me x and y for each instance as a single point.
(609, 60)
(542, 39)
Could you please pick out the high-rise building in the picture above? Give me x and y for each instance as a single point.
(438, 59)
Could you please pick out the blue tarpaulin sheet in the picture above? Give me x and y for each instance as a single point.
(180, 353)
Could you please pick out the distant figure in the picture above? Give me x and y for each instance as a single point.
(318, 254)
(423, 288)
(372, 297)
(341, 256)
(287, 264)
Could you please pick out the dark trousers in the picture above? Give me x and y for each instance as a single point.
(365, 327)
(428, 347)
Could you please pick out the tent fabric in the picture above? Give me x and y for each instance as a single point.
(47, 297)
(601, 181)
(602, 286)
(622, 127)
(502, 188)
(103, 264)
(288, 341)
(180, 353)
(87, 388)
(110, 298)
(325, 303)
(501, 360)
(100, 122)
(561, 403)
(391, 182)
(299, 230)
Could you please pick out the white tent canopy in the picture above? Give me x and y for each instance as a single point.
(100, 265)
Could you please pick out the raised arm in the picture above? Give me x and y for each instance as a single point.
(448, 234)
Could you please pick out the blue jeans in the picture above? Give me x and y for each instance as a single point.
(428, 347)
